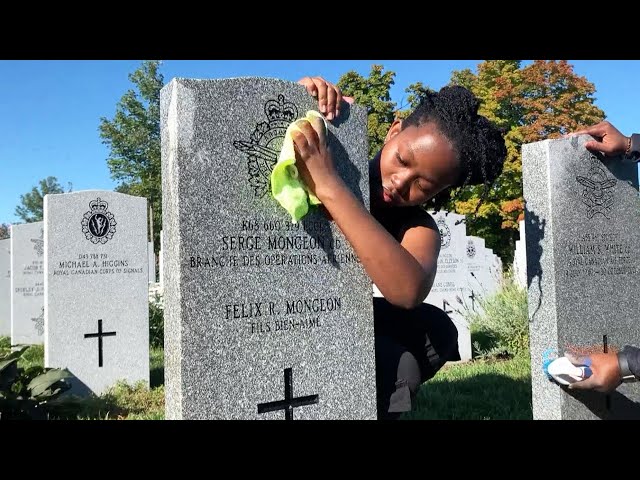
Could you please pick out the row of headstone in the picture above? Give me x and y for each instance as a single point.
(258, 308)
(79, 285)
(467, 272)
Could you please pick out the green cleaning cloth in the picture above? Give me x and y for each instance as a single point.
(286, 186)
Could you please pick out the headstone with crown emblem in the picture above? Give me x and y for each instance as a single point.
(264, 318)
(479, 283)
(582, 237)
(5, 287)
(97, 288)
(27, 283)
(447, 292)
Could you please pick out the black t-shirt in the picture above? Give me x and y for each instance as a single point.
(397, 220)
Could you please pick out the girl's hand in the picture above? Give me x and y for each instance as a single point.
(313, 157)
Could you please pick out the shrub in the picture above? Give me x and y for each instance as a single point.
(503, 319)
(26, 392)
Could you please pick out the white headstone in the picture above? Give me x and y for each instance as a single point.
(520, 259)
(446, 292)
(27, 283)
(5, 288)
(96, 273)
(478, 283)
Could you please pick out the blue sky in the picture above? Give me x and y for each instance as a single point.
(50, 110)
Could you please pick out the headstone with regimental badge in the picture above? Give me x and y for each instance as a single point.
(447, 292)
(97, 317)
(264, 318)
(582, 237)
(5, 288)
(27, 283)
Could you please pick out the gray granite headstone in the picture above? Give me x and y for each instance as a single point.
(27, 283)
(583, 233)
(447, 291)
(96, 274)
(264, 319)
(5, 288)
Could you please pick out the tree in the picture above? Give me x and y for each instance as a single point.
(4, 231)
(372, 93)
(133, 136)
(542, 100)
(417, 91)
(32, 206)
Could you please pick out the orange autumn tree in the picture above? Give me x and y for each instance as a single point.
(542, 100)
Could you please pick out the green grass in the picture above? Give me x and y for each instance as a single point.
(477, 390)
(122, 401)
(485, 389)
(130, 402)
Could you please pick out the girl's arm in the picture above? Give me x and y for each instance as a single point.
(403, 271)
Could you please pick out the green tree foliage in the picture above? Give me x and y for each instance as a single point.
(542, 100)
(417, 91)
(32, 203)
(373, 93)
(4, 231)
(133, 137)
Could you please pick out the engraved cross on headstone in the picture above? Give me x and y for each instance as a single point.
(100, 334)
(446, 304)
(289, 403)
(473, 300)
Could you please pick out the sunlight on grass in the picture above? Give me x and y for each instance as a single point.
(477, 390)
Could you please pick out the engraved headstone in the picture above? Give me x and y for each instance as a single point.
(583, 233)
(27, 283)
(446, 292)
(478, 282)
(96, 288)
(5, 288)
(264, 319)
